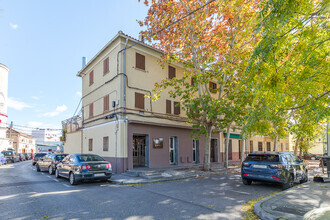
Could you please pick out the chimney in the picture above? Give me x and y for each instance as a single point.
(141, 38)
(83, 64)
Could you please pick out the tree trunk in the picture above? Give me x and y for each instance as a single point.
(242, 150)
(296, 146)
(275, 142)
(206, 165)
(300, 152)
(227, 144)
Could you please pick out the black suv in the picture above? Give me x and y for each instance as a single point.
(275, 167)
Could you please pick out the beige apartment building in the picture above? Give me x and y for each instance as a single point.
(120, 122)
(21, 142)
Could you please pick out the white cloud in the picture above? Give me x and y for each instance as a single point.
(78, 94)
(35, 97)
(59, 109)
(13, 26)
(16, 104)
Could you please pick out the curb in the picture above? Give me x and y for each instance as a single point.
(145, 182)
(264, 215)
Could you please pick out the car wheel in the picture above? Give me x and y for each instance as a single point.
(57, 173)
(288, 184)
(246, 182)
(72, 179)
(38, 168)
(50, 170)
(305, 177)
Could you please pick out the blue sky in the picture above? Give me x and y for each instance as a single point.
(42, 42)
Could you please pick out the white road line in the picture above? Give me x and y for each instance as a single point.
(42, 173)
(56, 180)
(240, 192)
(49, 176)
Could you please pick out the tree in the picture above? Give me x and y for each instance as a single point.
(289, 70)
(213, 43)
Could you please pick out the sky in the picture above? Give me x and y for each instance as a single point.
(43, 42)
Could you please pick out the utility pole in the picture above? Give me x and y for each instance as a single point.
(10, 130)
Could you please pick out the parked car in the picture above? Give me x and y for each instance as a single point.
(283, 168)
(2, 159)
(36, 157)
(80, 167)
(49, 162)
(22, 157)
(27, 156)
(309, 156)
(11, 156)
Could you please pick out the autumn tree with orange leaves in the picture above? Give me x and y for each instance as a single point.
(214, 43)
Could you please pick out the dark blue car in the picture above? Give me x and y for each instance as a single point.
(282, 168)
(80, 167)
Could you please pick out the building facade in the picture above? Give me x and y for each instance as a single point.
(120, 121)
(48, 140)
(4, 141)
(22, 143)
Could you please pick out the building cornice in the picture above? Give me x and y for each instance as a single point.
(4, 66)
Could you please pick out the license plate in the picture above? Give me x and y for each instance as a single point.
(99, 174)
(260, 166)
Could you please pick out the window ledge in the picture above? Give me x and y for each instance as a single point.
(140, 69)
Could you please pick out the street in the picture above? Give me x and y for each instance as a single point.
(27, 194)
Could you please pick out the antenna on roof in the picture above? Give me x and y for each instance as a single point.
(141, 38)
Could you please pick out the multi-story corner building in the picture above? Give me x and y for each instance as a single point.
(21, 142)
(4, 141)
(120, 121)
(47, 140)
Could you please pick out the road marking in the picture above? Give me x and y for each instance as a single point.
(66, 185)
(42, 173)
(240, 192)
(56, 180)
(49, 176)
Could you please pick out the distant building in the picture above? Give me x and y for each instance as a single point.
(4, 141)
(47, 140)
(22, 143)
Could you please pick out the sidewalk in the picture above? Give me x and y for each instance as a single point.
(145, 176)
(294, 203)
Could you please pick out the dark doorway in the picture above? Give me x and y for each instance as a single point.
(230, 150)
(214, 150)
(139, 150)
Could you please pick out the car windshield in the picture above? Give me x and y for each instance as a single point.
(40, 155)
(86, 158)
(8, 153)
(60, 157)
(263, 157)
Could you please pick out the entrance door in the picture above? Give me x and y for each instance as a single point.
(139, 150)
(196, 151)
(214, 150)
(174, 150)
(230, 150)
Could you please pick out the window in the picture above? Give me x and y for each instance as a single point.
(91, 110)
(168, 107)
(91, 78)
(287, 147)
(240, 149)
(259, 146)
(268, 146)
(106, 103)
(213, 87)
(105, 143)
(90, 144)
(177, 108)
(140, 61)
(195, 151)
(171, 72)
(251, 146)
(281, 146)
(106, 66)
(139, 100)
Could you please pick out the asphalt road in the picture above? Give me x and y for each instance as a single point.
(27, 194)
